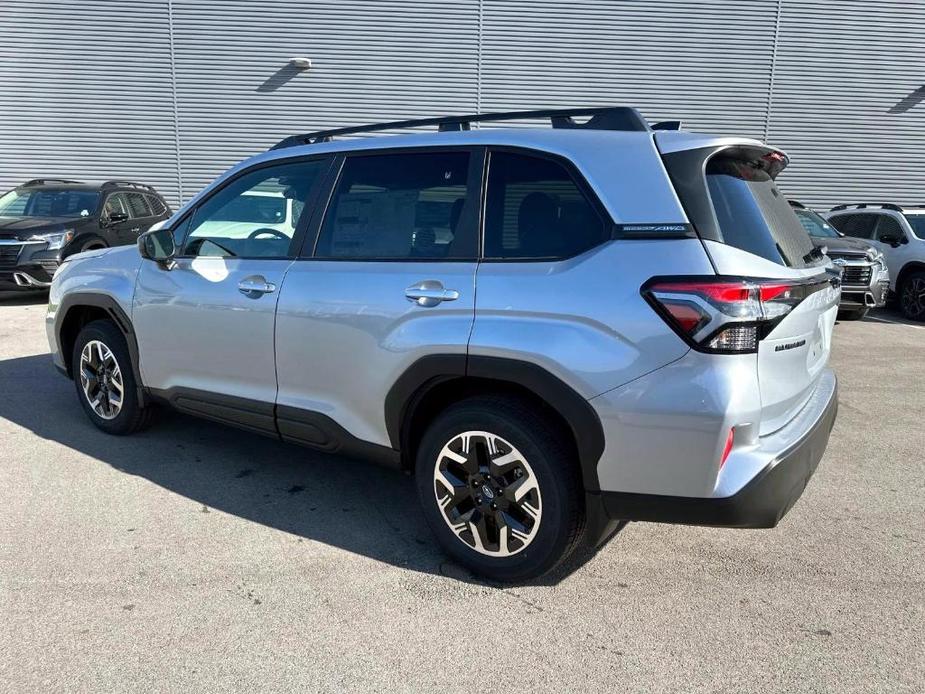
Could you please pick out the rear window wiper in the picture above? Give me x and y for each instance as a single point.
(818, 253)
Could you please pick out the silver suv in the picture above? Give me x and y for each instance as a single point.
(899, 233)
(556, 330)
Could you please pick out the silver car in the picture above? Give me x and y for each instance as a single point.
(557, 330)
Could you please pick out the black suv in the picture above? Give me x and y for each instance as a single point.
(46, 220)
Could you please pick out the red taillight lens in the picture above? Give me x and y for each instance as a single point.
(728, 315)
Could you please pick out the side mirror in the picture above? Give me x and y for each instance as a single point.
(895, 240)
(157, 245)
(117, 217)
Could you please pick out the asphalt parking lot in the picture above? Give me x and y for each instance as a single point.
(196, 557)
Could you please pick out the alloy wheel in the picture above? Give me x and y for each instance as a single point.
(487, 493)
(101, 379)
(913, 297)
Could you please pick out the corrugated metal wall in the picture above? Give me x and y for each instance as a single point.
(172, 92)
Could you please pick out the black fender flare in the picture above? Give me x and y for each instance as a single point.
(424, 374)
(115, 313)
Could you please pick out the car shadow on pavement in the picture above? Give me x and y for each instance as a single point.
(350, 504)
(29, 298)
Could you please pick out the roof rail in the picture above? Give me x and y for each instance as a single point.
(602, 118)
(128, 184)
(797, 204)
(865, 205)
(43, 181)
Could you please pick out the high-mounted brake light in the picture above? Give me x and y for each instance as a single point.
(727, 315)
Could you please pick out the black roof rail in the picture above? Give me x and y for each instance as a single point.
(602, 118)
(128, 184)
(865, 205)
(43, 181)
(796, 203)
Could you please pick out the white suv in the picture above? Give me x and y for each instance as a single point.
(900, 234)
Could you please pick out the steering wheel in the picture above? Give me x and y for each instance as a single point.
(267, 230)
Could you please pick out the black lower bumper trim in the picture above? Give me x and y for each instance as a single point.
(760, 504)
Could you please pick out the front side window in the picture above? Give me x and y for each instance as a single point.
(535, 209)
(49, 203)
(889, 228)
(399, 206)
(255, 215)
(860, 226)
(117, 203)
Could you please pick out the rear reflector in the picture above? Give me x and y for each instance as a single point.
(726, 315)
(728, 448)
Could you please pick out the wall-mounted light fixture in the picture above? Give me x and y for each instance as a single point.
(301, 63)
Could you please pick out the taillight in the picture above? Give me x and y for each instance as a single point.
(727, 315)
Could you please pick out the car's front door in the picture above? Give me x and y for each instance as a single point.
(391, 279)
(205, 322)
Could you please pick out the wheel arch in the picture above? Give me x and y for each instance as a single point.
(76, 311)
(435, 381)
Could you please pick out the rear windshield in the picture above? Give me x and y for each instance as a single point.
(753, 214)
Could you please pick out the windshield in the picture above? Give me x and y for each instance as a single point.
(47, 202)
(917, 222)
(816, 225)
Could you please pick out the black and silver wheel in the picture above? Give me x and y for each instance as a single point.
(101, 379)
(912, 296)
(105, 382)
(487, 493)
(499, 485)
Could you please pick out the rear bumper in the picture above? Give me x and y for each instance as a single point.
(761, 503)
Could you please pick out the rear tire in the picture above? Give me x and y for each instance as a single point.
(105, 380)
(853, 314)
(516, 509)
(912, 296)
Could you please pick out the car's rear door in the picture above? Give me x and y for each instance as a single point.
(390, 279)
(205, 323)
(754, 233)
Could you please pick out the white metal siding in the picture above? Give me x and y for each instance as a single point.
(172, 92)
(845, 105)
(85, 92)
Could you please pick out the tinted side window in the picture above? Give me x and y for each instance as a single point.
(860, 226)
(156, 204)
(890, 227)
(116, 202)
(138, 205)
(399, 206)
(535, 209)
(255, 215)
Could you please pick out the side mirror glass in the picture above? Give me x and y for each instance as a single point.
(117, 217)
(157, 245)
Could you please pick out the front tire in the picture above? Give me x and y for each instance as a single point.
(500, 488)
(105, 381)
(912, 296)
